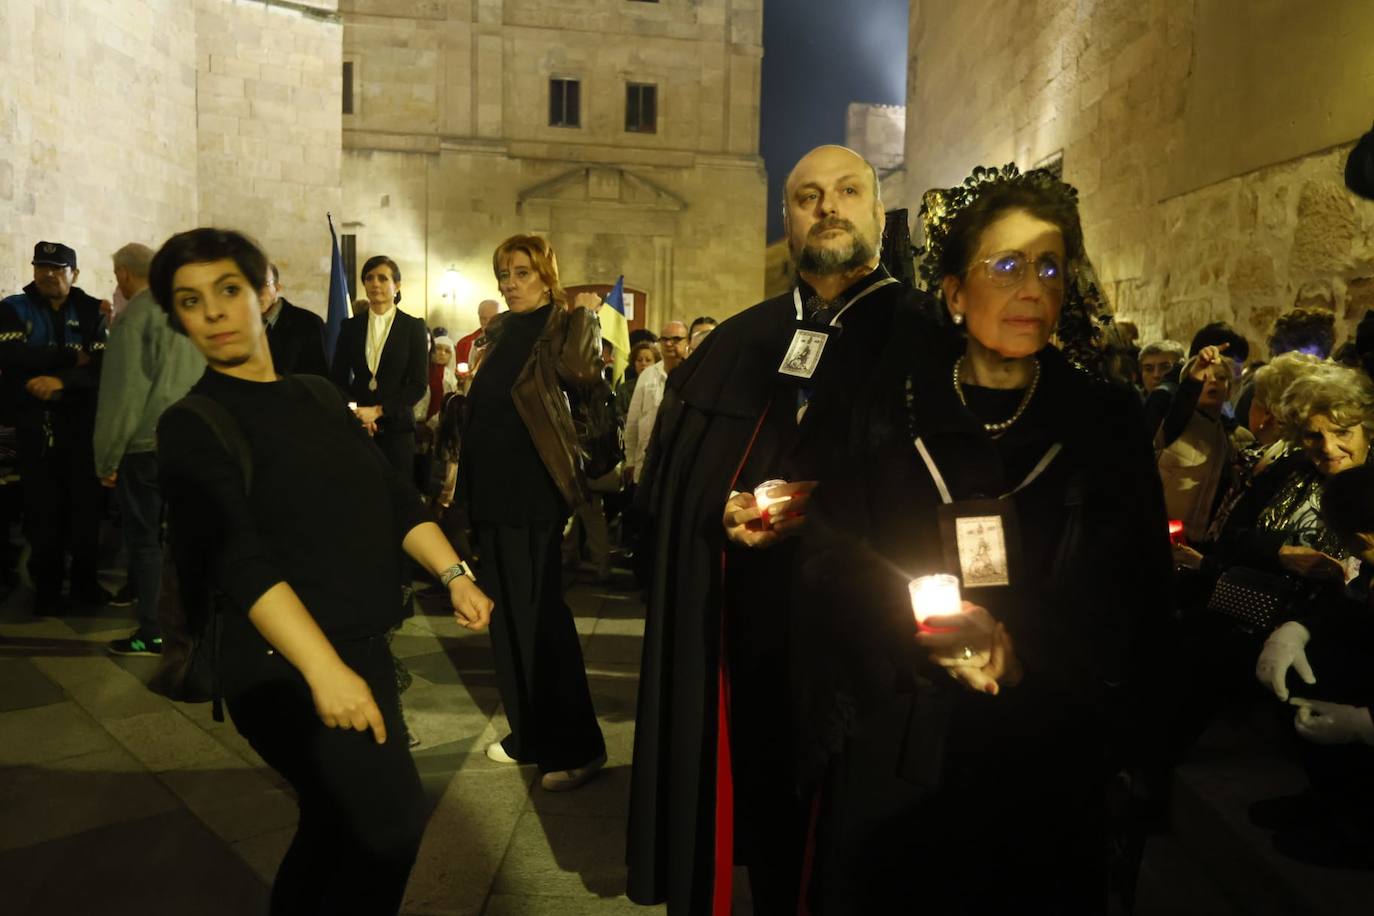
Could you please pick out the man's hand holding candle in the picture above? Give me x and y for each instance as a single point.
(782, 515)
(973, 648)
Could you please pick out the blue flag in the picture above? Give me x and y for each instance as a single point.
(339, 306)
(615, 329)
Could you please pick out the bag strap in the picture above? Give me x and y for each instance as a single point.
(226, 430)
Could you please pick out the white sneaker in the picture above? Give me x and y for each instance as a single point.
(497, 753)
(567, 780)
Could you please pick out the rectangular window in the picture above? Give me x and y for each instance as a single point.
(641, 108)
(565, 108)
(348, 87)
(348, 250)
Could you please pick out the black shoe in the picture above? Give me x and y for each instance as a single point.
(1326, 844)
(50, 605)
(125, 597)
(1286, 811)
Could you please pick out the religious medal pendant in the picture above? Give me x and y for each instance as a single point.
(372, 385)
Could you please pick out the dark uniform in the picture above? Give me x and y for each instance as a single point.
(56, 463)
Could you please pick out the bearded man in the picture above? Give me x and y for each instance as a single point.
(712, 784)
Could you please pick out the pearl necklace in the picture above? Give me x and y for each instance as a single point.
(994, 430)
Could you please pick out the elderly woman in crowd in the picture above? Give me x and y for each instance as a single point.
(520, 476)
(985, 454)
(642, 355)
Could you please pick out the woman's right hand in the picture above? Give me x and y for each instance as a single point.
(1310, 564)
(1207, 357)
(343, 700)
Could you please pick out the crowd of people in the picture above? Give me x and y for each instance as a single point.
(944, 573)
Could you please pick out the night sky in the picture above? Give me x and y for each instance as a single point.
(818, 56)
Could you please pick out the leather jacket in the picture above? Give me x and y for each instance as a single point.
(566, 355)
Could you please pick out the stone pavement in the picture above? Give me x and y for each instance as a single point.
(115, 801)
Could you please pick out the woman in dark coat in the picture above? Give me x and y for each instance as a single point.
(520, 475)
(965, 770)
(381, 363)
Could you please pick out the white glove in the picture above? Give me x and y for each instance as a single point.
(1285, 648)
(1332, 723)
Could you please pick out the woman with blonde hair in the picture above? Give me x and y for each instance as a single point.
(520, 476)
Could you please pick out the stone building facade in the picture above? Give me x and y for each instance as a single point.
(1207, 146)
(130, 120)
(450, 147)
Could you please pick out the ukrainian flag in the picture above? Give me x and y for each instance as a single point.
(616, 329)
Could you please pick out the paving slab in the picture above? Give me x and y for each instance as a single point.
(49, 733)
(24, 686)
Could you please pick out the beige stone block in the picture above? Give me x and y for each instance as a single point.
(233, 65)
(264, 852)
(236, 803)
(219, 84)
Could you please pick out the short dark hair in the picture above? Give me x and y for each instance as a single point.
(374, 261)
(642, 335)
(1310, 330)
(698, 322)
(1347, 503)
(965, 230)
(201, 246)
(1217, 333)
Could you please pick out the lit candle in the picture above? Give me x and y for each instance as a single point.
(1176, 532)
(934, 596)
(352, 405)
(463, 368)
(763, 500)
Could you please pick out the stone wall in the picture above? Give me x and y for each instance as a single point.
(98, 130)
(1207, 147)
(128, 120)
(269, 131)
(876, 132)
(449, 149)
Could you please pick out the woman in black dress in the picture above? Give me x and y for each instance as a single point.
(270, 506)
(964, 770)
(520, 476)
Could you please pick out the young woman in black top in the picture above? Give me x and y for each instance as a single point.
(304, 665)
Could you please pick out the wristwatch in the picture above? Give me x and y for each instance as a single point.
(457, 571)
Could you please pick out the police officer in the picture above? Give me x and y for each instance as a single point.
(51, 339)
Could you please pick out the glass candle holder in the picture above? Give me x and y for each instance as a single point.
(462, 368)
(934, 596)
(765, 502)
(1176, 532)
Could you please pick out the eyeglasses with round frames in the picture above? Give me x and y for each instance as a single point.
(1008, 268)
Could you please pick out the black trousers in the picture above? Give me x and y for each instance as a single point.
(362, 808)
(399, 448)
(538, 655)
(62, 500)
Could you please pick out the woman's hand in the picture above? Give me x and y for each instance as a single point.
(744, 523)
(589, 301)
(973, 648)
(1186, 557)
(1200, 366)
(1310, 564)
(368, 416)
(471, 606)
(343, 700)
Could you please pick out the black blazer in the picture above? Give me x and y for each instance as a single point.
(297, 342)
(402, 372)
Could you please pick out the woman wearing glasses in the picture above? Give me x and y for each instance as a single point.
(964, 766)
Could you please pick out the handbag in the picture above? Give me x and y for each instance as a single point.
(1254, 600)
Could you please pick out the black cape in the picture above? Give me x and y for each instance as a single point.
(727, 421)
